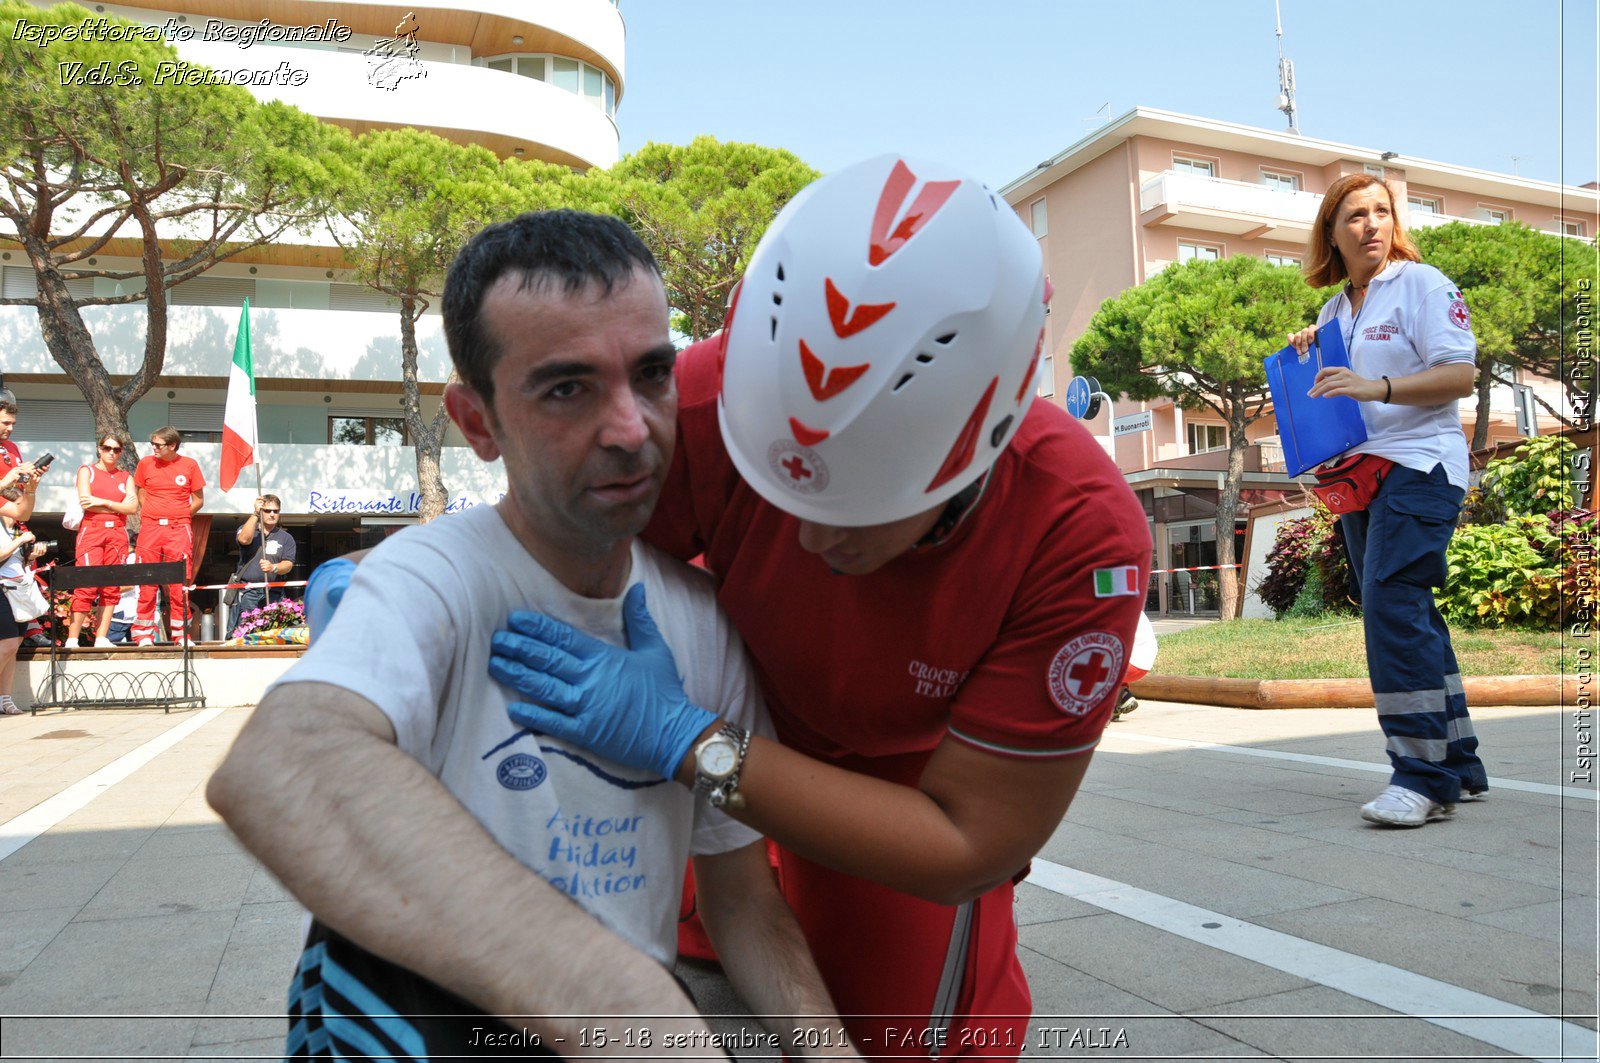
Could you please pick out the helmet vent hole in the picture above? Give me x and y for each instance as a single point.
(903, 381)
(999, 432)
(777, 300)
(925, 359)
(780, 272)
(774, 328)
(946, 339)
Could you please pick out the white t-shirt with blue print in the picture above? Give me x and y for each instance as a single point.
(412, 636)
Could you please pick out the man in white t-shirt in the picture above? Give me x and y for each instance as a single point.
(456, 864)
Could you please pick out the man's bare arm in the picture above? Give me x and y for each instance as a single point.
(373, 844)
(247, 530)
(764, 954)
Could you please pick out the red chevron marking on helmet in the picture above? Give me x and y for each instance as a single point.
(823, 382)
(926, 205)
(1033, 364)
(845, 323)
(966, 443)
(805, 435)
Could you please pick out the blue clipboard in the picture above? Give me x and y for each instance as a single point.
(1313, 430)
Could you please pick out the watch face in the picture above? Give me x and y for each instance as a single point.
(718, 757)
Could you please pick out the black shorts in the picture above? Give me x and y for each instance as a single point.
(9, 627)
(347, 1003)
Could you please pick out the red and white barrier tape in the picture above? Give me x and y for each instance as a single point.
(225, 586)
(1196, 568)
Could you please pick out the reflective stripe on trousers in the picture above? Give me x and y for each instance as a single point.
(1396, 548)
(955, 968)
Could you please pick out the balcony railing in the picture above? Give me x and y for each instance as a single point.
(1427, 219)
(1175, 191)
(1239, 207)
(446, 96)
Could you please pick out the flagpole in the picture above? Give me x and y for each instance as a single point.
(240, 441)
(264, 590)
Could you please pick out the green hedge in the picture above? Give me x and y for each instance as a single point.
(1517, 560)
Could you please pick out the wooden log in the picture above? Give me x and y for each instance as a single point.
(1345, 693)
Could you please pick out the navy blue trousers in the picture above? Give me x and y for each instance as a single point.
(1396, 548)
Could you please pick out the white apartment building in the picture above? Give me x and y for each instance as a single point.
(536, 79)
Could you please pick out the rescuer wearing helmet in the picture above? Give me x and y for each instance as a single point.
(938, 577)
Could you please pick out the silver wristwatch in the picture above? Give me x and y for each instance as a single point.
(717, 763)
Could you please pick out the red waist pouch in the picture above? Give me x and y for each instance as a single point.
(1349, 486)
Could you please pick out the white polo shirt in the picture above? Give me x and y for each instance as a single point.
(1412, 319)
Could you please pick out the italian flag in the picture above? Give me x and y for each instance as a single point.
(1116, 582)
(239, 417)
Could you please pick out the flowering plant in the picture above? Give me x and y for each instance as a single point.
(1307, 552)
(284, 612)
(53, 624)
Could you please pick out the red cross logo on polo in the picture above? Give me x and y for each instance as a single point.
(1459, 313)
(1085, 670)
(797, 467)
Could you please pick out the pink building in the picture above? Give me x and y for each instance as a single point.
(1154, 187)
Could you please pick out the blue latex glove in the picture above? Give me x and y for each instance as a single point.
(625, 705)
(324, 591)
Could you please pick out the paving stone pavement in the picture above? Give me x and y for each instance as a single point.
(136, 927)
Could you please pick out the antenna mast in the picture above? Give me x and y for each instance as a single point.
(1285, 77)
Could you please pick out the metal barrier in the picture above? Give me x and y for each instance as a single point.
(119, 690)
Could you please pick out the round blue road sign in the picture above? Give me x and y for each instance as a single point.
(1081, 402)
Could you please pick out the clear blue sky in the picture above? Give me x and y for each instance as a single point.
(1000, 85)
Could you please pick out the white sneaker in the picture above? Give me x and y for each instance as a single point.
(146, 641)
(105, 643)
(1399, 807)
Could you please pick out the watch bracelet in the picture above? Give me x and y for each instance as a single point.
(719, 794)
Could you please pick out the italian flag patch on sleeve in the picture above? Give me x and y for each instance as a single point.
(1115, 582)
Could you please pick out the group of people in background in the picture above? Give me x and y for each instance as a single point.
(164, 492)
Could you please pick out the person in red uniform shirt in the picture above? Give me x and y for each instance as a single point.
(171, 489)
(12, 468)
(106, 494)
(938, 577)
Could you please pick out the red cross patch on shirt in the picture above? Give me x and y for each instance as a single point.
(1085, 670)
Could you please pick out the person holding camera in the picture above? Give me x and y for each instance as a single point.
(266, 554)
(106, 495)
(13, 470)
(14, 550)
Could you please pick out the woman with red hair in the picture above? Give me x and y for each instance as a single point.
(1412, 358)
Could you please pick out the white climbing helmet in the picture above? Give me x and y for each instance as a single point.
(883, 345)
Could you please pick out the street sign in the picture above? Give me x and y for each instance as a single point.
(1081, 401)
(1133, 423)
